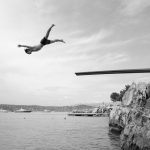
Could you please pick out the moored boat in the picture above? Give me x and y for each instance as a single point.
(3, 110)
(23, 111)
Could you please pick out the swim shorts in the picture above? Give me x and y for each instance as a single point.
(45, 41)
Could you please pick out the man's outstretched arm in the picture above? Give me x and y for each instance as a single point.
(24, 46)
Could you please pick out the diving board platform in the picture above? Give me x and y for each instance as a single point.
(122, 71)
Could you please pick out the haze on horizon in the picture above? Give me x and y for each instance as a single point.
(99, 35)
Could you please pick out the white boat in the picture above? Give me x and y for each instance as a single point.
(46, 110)
(2, 110)
(23, 111)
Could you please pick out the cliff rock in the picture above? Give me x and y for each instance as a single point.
(132, 118)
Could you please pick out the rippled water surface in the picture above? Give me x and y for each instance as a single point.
(49, 131)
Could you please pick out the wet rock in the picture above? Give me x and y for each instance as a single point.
(118, 118)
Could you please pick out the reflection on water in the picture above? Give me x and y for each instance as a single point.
(47, 131)
(114, 139)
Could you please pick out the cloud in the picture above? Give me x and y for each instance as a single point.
(110, 60)
(96, 37)
(142, 78)
(96, 47)
(114, 58)
(134, 7)
(44, 7)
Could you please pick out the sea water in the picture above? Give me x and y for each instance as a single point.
(55, 131)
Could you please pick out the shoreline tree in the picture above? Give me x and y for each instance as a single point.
(118, 96)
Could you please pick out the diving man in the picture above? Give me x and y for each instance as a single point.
(43, 42)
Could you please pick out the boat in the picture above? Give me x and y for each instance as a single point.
(3, 110)
(23, 111)
(45, 110)
(89, 114)
(81, 114)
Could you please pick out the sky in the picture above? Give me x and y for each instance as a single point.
(99, 35)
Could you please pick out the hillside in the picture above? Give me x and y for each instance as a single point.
(36, 108)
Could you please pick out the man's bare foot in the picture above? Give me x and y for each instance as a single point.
(53, 25)
(63, 41)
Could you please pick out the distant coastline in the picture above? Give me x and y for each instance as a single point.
(36, 108)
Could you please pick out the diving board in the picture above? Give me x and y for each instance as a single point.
(123, 71)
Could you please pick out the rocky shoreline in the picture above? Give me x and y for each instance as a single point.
(132, 118)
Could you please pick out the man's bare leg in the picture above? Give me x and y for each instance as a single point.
(48, 31)
(57, 40)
